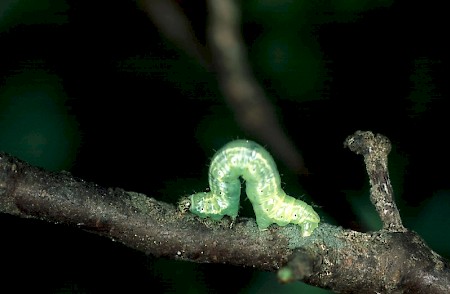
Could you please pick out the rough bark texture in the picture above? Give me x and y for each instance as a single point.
(393, 260)
(136, 220)
(375, 150)
(378, 262)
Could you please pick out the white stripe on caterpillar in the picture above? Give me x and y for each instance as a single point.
(255, 165)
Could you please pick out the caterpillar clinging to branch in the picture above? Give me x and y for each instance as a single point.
(255, 165)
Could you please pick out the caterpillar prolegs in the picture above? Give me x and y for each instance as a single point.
(249, 160)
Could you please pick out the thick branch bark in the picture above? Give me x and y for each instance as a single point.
(388, 261)
(135, 220)
(378, 262)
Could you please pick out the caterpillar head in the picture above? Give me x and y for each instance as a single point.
(184, 204)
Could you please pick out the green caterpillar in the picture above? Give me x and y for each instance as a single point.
(255, 165)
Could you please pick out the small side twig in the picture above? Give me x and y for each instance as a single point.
(375, 150)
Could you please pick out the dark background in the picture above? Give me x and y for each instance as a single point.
(94, 88)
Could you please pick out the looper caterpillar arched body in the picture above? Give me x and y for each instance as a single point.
(249, 160)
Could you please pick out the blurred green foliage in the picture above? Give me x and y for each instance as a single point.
(20, 12)
(35, 125)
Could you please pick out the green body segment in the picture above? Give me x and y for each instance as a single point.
(247, 159)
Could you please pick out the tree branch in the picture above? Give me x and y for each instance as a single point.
(135, 220)
(169, 18)
(244, 94)
(393, 260)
